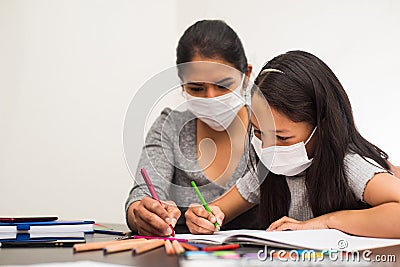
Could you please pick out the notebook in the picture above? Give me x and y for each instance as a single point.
(47, 226)
(321, 239)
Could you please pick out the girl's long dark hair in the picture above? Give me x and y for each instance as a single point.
(308, 91)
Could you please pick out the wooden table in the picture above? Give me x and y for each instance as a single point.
(157, 257)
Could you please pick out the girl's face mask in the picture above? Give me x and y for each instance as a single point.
(284, 160)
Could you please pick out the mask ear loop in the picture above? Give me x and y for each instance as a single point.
(245, 92)
(309, 138)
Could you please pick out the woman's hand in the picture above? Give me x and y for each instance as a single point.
(200, 221)
(286, 223)
(152, 218)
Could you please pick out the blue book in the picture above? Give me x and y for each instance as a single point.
(41, 242)
(37, 239)
(37, 236)
(47, 227)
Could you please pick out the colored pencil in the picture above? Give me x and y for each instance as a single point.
(97, 245)
(153, 192)
(160, 237)
(123, 246)
(109, 232)
(204, 203)
(177, 247)
(144, 247)
(222, 247)
(168, 248)
(188, 246)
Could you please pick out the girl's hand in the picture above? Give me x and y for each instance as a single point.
(199, 221)
(286, 223)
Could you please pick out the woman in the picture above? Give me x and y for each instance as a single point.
(322, 172)
(213, 69)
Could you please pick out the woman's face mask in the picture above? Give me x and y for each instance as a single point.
(217, 112)
(284, 160)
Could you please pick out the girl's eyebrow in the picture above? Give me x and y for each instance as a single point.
(272, 131)
(280, 131)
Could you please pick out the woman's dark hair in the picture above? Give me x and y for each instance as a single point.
(308, 91)
(213, 39)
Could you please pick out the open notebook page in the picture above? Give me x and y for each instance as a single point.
(310, 239)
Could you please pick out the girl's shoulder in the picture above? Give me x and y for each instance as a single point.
(359, 170)
(355, 162)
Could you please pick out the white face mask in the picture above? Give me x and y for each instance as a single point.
(218, 112)
(284, 160)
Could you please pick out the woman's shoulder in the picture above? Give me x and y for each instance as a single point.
(172, 118)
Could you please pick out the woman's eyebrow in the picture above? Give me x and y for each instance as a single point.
(224, 80)
(218, 82)
(194, 83)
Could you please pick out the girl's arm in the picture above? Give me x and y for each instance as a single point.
(232, 204)
(382, 220)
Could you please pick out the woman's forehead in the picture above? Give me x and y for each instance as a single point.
(207, 71)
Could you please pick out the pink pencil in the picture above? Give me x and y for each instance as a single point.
(153, 191)
(160, 237)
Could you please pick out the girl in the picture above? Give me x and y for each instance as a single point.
(322, 172)
(177, 148)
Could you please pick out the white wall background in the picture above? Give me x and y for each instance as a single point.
(68, 70)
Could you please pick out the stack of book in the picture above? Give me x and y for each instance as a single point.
(42, 231)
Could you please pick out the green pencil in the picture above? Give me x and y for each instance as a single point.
(204, 202)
